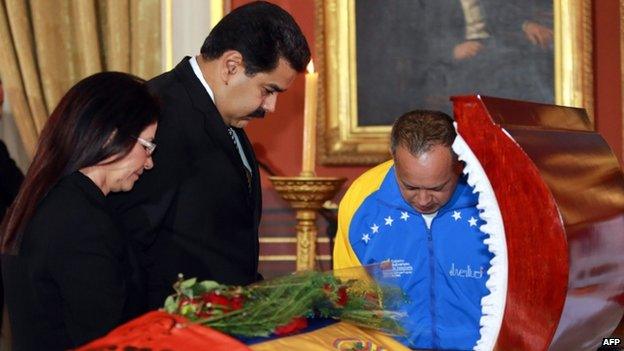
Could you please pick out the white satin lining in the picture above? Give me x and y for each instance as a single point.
(493, 304)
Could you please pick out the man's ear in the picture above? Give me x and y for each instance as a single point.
(231, 64)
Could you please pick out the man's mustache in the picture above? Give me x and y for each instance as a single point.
(257, 113)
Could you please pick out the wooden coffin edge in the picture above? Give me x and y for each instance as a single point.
(537, 250)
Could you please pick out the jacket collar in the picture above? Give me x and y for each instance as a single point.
(200, 99)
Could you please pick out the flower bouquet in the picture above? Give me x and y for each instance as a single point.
(281, 306)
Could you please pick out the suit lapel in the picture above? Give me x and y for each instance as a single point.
(253, 164)
(213, 122)
(255, 199)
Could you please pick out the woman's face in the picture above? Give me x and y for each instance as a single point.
(124, 172)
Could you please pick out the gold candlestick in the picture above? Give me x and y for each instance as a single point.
(306, 195)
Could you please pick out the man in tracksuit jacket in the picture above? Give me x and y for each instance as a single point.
(418, 214)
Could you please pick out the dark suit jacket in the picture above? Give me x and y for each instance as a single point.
(193, 213)
(70, 282)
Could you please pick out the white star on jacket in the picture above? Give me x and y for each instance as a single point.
(404, 216)
(365, 238)
(389, 220)
(472, 221)
(456, 215)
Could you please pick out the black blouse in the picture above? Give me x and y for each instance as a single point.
(71, 281)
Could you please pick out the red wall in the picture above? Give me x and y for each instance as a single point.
(607, 73)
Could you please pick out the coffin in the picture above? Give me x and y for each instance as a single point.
(552, 194)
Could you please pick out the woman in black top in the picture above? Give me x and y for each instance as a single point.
(68, 273)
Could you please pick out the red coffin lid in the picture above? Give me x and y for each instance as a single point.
(560, 191)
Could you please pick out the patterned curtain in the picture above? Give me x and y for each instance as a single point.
(49, 45)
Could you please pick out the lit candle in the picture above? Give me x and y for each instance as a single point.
(309, 122)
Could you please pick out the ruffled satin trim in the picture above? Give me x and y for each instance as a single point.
(493, 304)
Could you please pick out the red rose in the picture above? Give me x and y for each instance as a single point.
(237, 302)
(342, 296)
(216, 299)
(294, 325)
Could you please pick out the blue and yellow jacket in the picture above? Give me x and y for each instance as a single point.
(443, 269)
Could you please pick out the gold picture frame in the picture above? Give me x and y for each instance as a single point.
(341, 141)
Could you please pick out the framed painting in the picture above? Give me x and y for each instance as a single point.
(380, 59)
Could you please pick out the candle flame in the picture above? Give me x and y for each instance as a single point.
(310, 67)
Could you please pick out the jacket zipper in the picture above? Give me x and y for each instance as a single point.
(432, 296)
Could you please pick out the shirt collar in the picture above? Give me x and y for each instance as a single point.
(200, 76)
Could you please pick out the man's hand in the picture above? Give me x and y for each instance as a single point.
(467, 50)
(538, 34)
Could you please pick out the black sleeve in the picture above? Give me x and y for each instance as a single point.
(86, 261)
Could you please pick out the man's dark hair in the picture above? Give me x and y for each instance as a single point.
(420, 130)
(263, 33)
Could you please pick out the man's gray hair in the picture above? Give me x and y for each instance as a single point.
(420, 130)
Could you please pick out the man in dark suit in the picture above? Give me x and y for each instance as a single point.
(198, 212)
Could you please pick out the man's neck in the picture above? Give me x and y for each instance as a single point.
(207, 69)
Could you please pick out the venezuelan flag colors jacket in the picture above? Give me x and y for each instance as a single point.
(443, 269)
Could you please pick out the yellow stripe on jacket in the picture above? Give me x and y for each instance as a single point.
(362, 187)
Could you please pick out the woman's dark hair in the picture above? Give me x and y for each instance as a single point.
(263, 33)
(98, 118)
